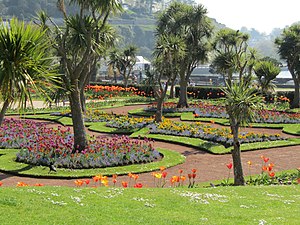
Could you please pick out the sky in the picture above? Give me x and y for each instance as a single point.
(262, 15)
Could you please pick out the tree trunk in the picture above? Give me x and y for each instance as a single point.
(236, 158)
(183, 99)
(3, 110)
(80, 140)
(295, 103)
(159, 109)
(82, 101)
(172, 88)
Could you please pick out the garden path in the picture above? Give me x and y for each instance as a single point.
(209, 167)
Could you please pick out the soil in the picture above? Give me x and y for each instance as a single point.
(209, 167)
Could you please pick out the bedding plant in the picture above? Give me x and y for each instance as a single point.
(40, 145)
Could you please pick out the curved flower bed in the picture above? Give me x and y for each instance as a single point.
(43, 146)
(202, 109)
(198, 130)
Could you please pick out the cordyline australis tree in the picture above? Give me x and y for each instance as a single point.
(25, 64)
(191, 24)
(232, 55)
(169, 50)
(289, 49)
(80, 43)
(240, 102)
(123, 61)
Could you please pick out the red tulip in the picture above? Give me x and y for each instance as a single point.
(229, 166)
(138, 185)
(164, 174)
(194, 170)
(266, 160)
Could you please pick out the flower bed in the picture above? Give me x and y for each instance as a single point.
(104, 92)
(43, 146)
(206, 132)
(202, 109)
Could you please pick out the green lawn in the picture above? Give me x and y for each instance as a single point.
(222, 205)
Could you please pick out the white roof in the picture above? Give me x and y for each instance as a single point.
(141, 60)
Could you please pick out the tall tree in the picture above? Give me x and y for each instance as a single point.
(232, 54)
(168, 53)
(124, 61)
(80, 43)
(289, 50)
(240, 101)
(25, 64)
(192, 25)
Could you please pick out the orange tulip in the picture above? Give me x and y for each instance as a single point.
(21, 184)
(162, 168)
(124, 184)
(78, 183)
(249, 163)
(264, 168)
(37, 185)
(272, 174)
(183, 178)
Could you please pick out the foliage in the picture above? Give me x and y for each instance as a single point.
(266, 72)
(25, 64)
(289, 50)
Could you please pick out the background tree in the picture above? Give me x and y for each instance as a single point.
(266, 72)
(289, 50)
(80, 44)
(232, 54)
(25, 64)
(168, 53)
(191, 24)
(240, 101)
(124, 61)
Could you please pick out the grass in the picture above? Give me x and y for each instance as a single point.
(9, 165)
(212, 147)
(222, 205)
(100, 127)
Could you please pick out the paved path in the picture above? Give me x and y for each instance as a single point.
(209, 167)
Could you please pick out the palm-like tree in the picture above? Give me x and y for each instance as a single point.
(266, 71)
(232, 54)
(241, 100)
(124, 61)
(169, 51)
(24, 64)
(80, 44)
(289, 49)
(192, 25)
